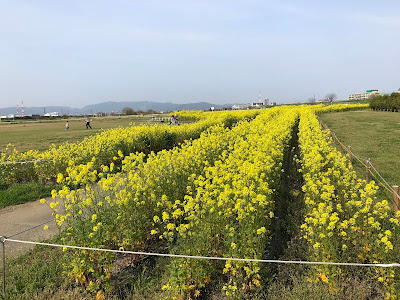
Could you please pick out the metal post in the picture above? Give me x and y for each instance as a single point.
(368, 171)
(396, 200)
(2, 241)
(350, 157)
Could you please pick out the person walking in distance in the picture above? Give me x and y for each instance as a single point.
(88, 123)
(67, 125)
(175, 119)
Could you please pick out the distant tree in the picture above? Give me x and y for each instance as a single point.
(128, 111)
(151, 112)
(330, 97)
(312, 100)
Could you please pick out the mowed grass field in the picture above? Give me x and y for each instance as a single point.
(30, 135)
(371, 134)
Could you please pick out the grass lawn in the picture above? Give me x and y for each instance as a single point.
(34, 135)
(19, 193)
(371, 134)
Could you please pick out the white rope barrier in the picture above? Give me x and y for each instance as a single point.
(366, 160)
(22, 162)
(384, 180)
(208, 257)
(345, 148)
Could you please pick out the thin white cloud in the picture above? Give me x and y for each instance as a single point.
(183, 36)
(380, 20)
(292, 9)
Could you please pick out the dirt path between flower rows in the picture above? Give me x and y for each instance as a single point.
(18, 222)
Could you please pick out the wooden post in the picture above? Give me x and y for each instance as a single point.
(368, 172)
(340, 146)
(350, 157)
(396, 200)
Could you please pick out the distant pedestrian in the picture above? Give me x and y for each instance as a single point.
(67, 125)
(88, 123)
(175, 119)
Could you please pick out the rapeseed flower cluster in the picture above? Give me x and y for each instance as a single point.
(109, 146)
(228, 209)
(131, 208)
(214, 196)
(344, 222)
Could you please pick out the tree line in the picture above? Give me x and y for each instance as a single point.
(386, 102)
(131, 111)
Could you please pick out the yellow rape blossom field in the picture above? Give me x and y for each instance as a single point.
(215, 188)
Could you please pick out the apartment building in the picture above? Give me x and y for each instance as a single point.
(363, 96)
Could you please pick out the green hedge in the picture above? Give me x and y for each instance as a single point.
(386, 102)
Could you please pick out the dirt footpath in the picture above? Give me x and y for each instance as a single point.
(18, 218)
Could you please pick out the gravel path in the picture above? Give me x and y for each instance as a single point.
(18, 218)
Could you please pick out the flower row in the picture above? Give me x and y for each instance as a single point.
(105, 147)
(344, 221)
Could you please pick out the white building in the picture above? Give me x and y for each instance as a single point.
(240, 106)
(52, 114)
(248, 105)
(363, 96)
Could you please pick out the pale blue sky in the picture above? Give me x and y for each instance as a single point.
(76, 53)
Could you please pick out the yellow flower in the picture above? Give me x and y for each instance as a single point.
(170, 226)
(60, 178)
(53, 204)
(324, 278)
(261, 230)
(165, 216)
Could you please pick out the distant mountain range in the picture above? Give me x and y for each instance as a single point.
(109, 107)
